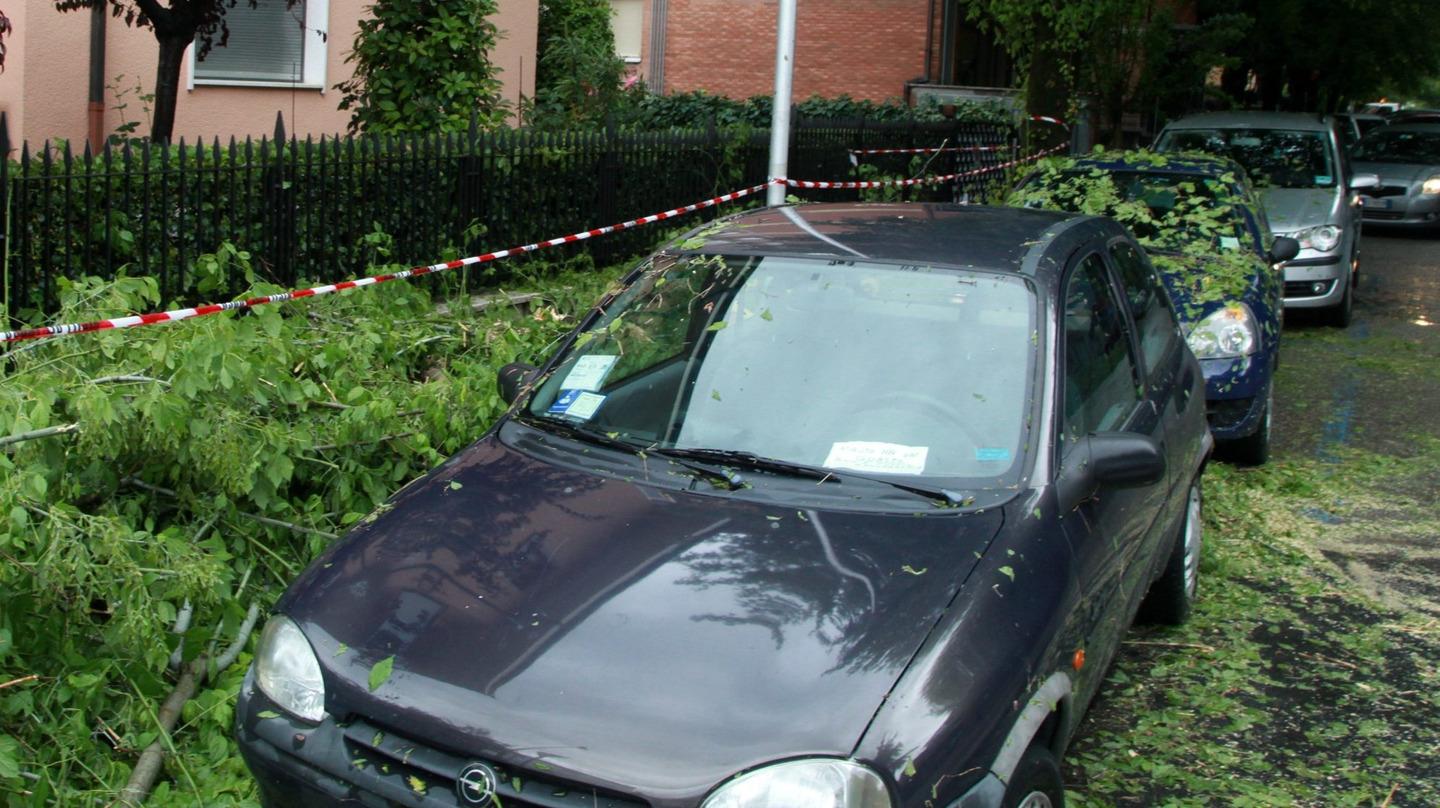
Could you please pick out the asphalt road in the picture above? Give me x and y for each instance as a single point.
(1374, 388)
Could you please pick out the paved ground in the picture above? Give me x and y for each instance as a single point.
(1375, 387)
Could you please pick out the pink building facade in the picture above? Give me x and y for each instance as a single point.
(45, 89)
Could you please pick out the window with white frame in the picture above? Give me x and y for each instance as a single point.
(626, 20)
(272, 43)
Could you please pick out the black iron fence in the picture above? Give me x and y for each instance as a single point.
(321, 209)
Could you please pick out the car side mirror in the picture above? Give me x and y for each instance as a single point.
(512, 378)
(1364, 182)
(1122, 459)
(1284, 249)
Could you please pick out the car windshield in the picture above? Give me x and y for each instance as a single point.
(884, 369)
(1399, 146)
(1274, 158)
(1165, 211)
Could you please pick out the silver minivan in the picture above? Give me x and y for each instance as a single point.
(1309, 192)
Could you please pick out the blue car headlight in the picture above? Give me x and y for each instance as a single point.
(816, 783)
(287, 670)
(1230, 332)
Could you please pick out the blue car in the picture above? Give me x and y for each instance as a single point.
(1204, 228)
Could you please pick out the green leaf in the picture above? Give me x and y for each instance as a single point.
(341, 648)
(380, 672)
(9, 766)
(1008, 572)
(268, 714)
(417, 785)
(455, 485)
(765, 315)
(718, 325)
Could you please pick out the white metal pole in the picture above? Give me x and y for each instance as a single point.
(780, 114)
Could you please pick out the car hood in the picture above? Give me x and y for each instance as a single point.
(647, 639)
(1291, 209)
(1398, 173)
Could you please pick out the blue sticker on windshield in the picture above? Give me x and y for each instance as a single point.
(1323, 179)
(579, 404)
(992, 455)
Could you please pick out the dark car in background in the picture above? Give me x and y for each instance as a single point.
(1406, 157)
(1308, 189)
(1204, 229)
(833, 506)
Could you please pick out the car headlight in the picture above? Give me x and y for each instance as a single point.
(288, 672)
(1431, 186)
(1229, 332)
(818, 783)
(1324, 238)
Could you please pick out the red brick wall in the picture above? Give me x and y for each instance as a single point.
(865, 48)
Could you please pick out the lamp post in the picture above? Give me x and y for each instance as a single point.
(780, 112)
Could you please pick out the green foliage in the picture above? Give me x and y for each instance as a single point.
(423, 66)
(641, 109)
(1192, 229)
(577, 79)
(309, 415)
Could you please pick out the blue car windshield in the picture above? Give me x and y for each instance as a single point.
(1274, 158)
(876, 368)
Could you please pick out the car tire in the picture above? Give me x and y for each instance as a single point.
(1036, 782)
(1253, 449)
(1339, 316)
(1172, 596)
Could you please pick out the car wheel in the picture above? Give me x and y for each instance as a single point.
(1172, 595)
(1036, 781)
(1253, 449)
(1340, 315)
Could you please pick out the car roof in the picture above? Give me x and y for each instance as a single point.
(933, 234)
(1302, 121)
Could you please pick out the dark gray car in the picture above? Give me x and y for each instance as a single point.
(1406, 157)
(836, 506)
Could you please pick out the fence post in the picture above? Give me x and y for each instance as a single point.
(609, 179)
(282, 210)
(470, 176)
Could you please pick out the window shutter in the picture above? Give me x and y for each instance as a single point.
(267, 43)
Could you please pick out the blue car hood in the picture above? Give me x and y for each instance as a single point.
(651, 639)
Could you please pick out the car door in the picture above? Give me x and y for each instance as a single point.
(1102, 391)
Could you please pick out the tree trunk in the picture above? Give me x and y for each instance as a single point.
(167, 84)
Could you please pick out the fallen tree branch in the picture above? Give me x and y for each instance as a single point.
(36, 434)
(129, 380)
(254, 517)
(142, 777)
(22, 680)
(330, 447)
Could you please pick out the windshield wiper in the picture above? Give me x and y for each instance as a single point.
(749, 460)
(754, 461)
(582, 434)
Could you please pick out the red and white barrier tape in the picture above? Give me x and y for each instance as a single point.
(936, 150)
(215, 308)
(296, 294)
(932, 180)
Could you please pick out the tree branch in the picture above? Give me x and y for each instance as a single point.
(36, 434)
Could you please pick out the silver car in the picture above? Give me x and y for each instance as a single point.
(1407, 159)
(1307, 188)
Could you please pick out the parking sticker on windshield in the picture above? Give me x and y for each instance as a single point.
(882, 458)
(577, 404)
(1323, 179)
(1229, 243)
(589, 372)
(991, 454)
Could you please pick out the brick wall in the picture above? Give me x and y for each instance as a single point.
(865, 48)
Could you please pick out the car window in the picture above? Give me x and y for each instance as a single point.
(1400, 146)
(1100, 380)
(843, 364)
(1150, 305)
(1274, 158)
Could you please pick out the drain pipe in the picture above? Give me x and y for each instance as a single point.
(95, 110)
(780, 104)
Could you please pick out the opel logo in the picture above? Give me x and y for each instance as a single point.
(476, 785)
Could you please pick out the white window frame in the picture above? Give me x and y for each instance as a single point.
(317, 17)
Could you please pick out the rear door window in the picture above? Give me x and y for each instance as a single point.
(1101, 384)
